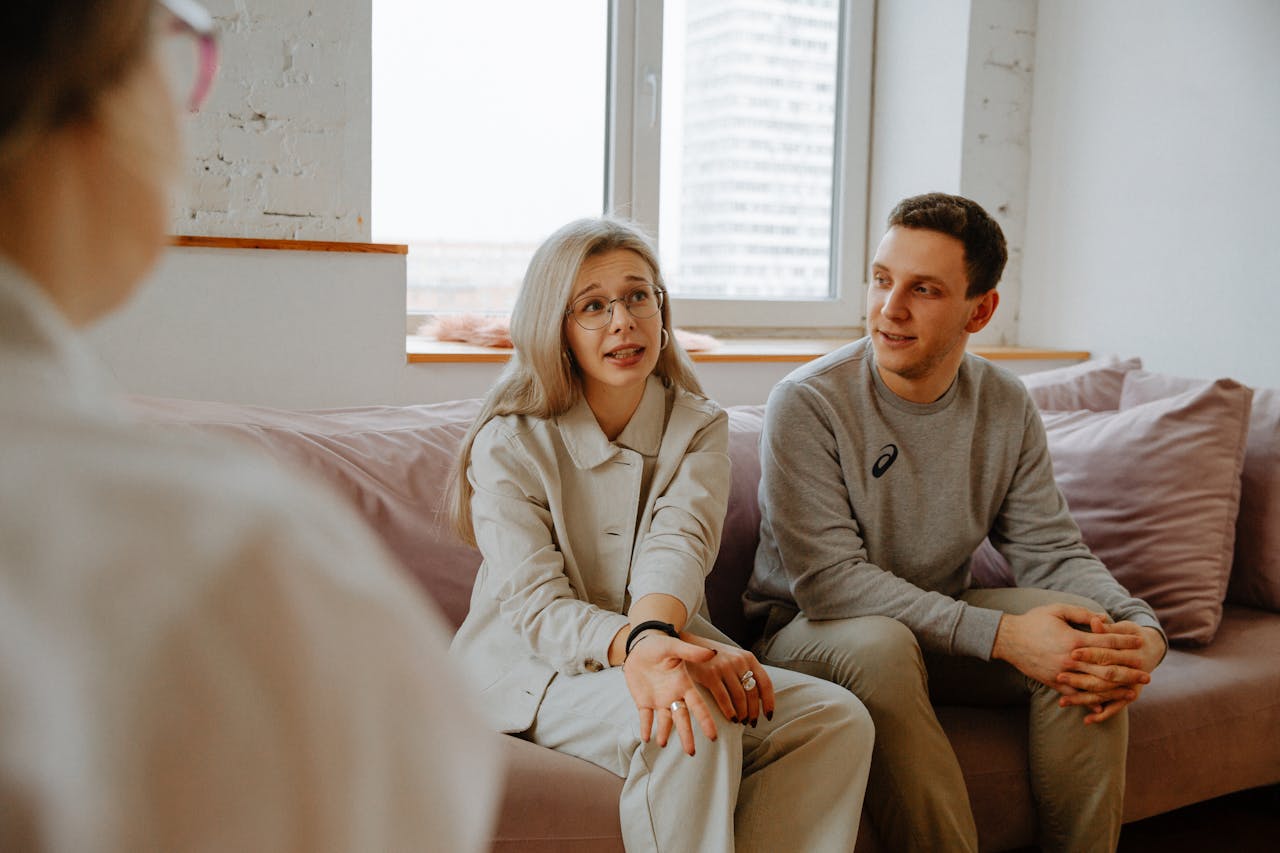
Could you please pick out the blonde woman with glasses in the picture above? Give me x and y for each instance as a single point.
(197, 651)
(594, 483)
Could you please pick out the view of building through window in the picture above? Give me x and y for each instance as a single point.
(748, 128)
(489, 132)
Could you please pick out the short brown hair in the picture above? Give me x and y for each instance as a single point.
(57, 57)
(985, 253)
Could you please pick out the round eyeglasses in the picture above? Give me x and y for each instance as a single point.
(189, 51)
(593, 311)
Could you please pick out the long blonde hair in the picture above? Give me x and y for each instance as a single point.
(541, 380)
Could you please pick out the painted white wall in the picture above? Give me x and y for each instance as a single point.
(1152, 226)
(305, 330)
(309, 330)
(289, 329)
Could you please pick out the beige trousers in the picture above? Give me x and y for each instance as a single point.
(793, 783)
(916, 797)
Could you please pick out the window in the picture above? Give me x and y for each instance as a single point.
(734, 130)
(488, 134)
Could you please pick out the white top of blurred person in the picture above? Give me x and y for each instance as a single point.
(197, 651)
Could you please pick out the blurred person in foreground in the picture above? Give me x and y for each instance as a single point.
(197, 651)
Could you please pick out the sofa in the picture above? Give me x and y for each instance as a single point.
(1207, 725)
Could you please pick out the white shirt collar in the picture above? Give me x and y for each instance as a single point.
(586, 442)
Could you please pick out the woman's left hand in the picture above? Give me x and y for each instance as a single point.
(736, 680)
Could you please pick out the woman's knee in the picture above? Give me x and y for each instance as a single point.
(855, 725)
(823, 710)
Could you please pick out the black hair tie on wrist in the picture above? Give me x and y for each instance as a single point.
(652, 625)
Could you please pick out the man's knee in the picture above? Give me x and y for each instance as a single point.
(885, 639)
(870, 655)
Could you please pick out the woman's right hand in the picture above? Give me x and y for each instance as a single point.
(656, 676)
(725, 677)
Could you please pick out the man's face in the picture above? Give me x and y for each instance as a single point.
(918, 316)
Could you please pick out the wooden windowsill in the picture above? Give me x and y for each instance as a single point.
(420, 350)
(287, 245)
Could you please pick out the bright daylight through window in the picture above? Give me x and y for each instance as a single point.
(491, 128)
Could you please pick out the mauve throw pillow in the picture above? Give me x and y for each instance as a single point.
(1255, 575)
(1155, 489)
(1093, 385)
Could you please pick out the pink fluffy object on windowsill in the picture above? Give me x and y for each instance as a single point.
(488, 331)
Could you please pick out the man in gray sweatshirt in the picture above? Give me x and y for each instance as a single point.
(883, 466)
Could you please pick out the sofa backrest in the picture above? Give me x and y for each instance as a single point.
(1114, 384)
(393, 465)
(1255, 573)
(737, 554)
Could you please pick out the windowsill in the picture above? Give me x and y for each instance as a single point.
(420, 350)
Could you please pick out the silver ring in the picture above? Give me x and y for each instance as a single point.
(677, 706)
(748, 680)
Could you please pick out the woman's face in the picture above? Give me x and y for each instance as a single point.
(617, 358)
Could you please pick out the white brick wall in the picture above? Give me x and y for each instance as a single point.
(996, 144)
(282, 147)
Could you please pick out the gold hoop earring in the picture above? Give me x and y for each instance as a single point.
(666, 339)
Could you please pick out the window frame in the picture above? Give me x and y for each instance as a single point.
(633, 139)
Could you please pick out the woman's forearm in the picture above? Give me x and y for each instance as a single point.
(664, 608)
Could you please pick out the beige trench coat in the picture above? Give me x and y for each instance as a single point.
(573, 528)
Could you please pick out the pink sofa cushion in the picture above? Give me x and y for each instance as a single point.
(1255, 574)
(1093, 385)
(393, 463)
(1155, 489)
(737, 555)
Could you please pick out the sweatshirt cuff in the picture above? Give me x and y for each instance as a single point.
(1146, 620)
(976, 632)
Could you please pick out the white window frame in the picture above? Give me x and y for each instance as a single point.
(633, 142)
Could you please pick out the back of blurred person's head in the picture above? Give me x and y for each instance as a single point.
(57, 57)
(89, 145)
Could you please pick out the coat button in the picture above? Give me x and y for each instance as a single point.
(593, 665)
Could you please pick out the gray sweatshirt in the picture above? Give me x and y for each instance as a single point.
(873, 505)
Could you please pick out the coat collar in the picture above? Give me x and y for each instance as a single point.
(41, 352)
(586, 442)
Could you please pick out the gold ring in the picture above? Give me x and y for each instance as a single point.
(677, 706)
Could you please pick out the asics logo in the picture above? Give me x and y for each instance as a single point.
(888, 454)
